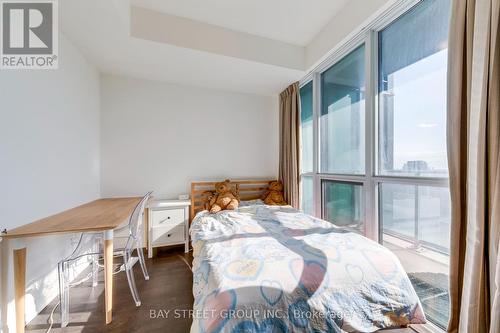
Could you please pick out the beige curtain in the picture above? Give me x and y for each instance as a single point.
(473, 157)
(289, 143)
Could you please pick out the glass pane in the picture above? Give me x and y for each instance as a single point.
(398, 209)
(307, 203)
(415, 222)
(343, 205)
(306, 127)
(342, 122)
(434, 217)
(412, 92)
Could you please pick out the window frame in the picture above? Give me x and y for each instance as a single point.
(372, 179)
(348, 50)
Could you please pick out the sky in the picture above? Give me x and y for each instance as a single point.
(420, 112)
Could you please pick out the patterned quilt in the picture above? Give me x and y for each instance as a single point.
(274, 269)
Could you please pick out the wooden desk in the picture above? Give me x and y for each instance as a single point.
(100, 215)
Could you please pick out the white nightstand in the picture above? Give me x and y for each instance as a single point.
(168, 224)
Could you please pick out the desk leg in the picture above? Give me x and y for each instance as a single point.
(108, 275)
(20, 286)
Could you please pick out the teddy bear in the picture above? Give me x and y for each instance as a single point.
(224, 197)
(206, 198)
(274, 194)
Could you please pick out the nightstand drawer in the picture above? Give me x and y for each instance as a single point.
(167, 217)
(167, 235)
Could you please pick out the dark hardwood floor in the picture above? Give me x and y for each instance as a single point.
(169, 288)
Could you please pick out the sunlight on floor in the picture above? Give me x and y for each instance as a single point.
(428, 272)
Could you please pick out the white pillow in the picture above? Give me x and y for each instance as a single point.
(246, 203)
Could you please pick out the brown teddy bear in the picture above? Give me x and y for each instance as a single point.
(224, 198)
(274, 194)
(206, 198)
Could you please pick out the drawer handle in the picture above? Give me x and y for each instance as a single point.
(168, 235)
(165, 220)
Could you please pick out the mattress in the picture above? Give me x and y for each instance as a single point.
(274, 269)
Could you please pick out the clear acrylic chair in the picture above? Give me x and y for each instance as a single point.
(89, 245)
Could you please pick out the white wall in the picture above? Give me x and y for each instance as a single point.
(49, 162)
(157, 136)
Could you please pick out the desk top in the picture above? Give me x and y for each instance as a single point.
(98, 215)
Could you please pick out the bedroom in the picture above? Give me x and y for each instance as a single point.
(360, 141)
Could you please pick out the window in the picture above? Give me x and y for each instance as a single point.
(343, 204)
(379, 167)
(307, 189)
(412, 92)
(420, 214)
(306, 148)
(414, 219)
(342, 141)
(342, 121)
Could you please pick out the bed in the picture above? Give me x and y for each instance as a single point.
(274, 269)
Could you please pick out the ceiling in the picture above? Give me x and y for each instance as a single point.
(291, 21)
(246, 46)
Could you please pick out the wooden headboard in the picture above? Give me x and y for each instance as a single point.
(248, 190)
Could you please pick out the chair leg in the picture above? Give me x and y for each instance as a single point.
(95, 262)
(140, 253)
(129, 270)
(63, 292)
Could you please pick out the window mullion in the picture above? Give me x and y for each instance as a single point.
(316, 129)
(371, 220)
